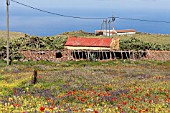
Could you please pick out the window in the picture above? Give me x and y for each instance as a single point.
(58, 55)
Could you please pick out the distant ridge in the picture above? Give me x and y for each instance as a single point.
(12, 34)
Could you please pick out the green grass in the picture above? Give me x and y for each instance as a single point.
(151, 38)
(2, 63)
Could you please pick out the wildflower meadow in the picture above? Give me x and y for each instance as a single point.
(120, 86)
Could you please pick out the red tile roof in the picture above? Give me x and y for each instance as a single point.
(125, 31)
(90, 42)
(114, 32)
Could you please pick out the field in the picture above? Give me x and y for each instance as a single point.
(119, 86)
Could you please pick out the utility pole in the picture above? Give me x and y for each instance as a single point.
(7, 30)
(109, 27)
(106, 27)
(102, 25)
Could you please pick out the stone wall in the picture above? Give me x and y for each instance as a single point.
(46, 55)
(65, 55)
(158, 55)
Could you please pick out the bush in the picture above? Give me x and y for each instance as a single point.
(136, 44)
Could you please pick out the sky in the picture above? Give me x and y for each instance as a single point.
(29, 21)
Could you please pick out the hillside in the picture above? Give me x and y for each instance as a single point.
(151, 38)
(139, 41)
(13, 35)
(145, 37)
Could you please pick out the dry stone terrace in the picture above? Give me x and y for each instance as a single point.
(65, 55)
(158, 55)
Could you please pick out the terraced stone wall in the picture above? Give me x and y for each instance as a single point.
(158, 55)
(46, 55)
(65, 55)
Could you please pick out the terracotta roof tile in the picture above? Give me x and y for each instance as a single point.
(125, 31)
(90, 42)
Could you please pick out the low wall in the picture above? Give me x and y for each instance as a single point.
(46, 55)
(65, 55)
(158, 55)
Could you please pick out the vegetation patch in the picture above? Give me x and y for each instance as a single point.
(100, 87)
(127, 42)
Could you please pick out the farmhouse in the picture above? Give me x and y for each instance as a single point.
(81, 43)
(91, 48)
(115, 32)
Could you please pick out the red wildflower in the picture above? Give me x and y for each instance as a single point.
(81, 92)
(140, 111)
(131, 107)
(134, 108)
(96, 111)
(167, 95)
(69, 92)
(48, 99)
(75, 110)
(94, 92)
(160, 89)
(156, 97)
(83, 100)
(166, 91)
(15, 92)
(39, 76)
(42, 108)
(129, 96)
(124, 103)
(150, 101)
(112, 99)
(16, 105)
(119, 107)
(146, 109)
(51, 108)
(82, 109)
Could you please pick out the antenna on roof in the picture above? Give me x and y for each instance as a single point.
(102, 25)
(106, 26)
(113, 20)
(109, 22)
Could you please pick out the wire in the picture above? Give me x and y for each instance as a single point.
(92, 18)
(53, 12)
(142, 20)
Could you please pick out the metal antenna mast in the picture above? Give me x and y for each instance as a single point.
(7, 30)
(106, 27)
(109, 26)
